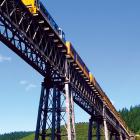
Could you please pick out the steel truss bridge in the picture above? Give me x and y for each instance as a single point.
(33, 39)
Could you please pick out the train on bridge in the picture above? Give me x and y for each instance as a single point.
(36, 7)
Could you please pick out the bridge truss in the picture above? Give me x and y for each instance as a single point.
(34, 40)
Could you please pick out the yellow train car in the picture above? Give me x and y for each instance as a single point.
(92, 79)
(31, 5)
(70, 50)
(86, 72)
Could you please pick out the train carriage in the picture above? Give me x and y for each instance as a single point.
(79, 62)
(70, 50)
(92, 79)
(86, 72)
(31, 5)
(36, 7)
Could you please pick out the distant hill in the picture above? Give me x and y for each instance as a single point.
(14, 135)
(81, 133)
(132, 118)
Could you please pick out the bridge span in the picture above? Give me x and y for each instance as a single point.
(28, 29)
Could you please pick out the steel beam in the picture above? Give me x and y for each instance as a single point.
(106, 130)
(69, 129)
(43, 109)
(53, 114)
(90, 128)
(73, 116)
(105, 123)
(70, 113)
(121, 138)
(111, 136)
(116, 137)
(58, 116)
(98, 133)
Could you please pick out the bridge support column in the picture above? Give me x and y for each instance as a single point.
(121, 138)
(98, 135)
(69, 107)
(90, 128)
(56, 106)
(43, 102)
(49, 113)
(116, 137)
(70, 113)
(73, 117)
(111, 136)
(90, 135)
(105, 124)
(106, 130)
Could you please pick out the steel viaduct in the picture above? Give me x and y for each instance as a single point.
(32, 37)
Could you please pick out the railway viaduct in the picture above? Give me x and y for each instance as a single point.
(34, 39)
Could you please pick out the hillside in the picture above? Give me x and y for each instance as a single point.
(81, 131)
(132, 118)
(14, 135)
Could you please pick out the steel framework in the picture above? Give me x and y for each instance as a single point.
(37, 43)
(52, 109)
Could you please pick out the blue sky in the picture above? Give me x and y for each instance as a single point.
(107, 36)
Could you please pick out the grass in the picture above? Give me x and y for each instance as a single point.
(137, 137)
(81, 133)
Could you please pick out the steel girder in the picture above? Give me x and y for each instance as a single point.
(21, 33)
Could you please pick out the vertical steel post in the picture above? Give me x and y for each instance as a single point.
(90, 128)
(39, 113)
(73, 116)
(68, 111)
(53, 114)
(120, 135)
(45, 114)
(105, 130)
(98, 131)
(110, 136)
(69, 107)
(105, 124)
(58, 115)
(116, 137)
(43, 99)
